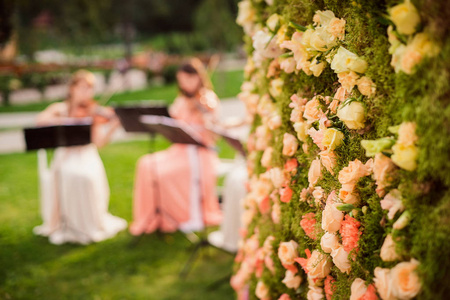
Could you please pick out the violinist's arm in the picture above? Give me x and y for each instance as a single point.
(101, 138)
(50, 116)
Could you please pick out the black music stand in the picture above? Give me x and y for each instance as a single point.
(48, 137)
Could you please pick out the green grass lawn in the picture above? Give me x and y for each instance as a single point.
(32, 268)
(226, 85)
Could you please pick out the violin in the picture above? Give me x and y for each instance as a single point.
(100, 114)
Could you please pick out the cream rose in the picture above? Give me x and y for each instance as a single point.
(332, 138)
(329, 242)
(319, 265)
(388, 252)
(290, 144)
(274, 122)
(272, 22)
(277, 177)
(276, 87)
(366, 86)
(287, 252)
(262, 291)
(344, 61)
(405, 17)
(352, 115)
(302, 130)
(314, 293)
(405, 281)
(332, 218)
(383, 283)
(358, 289)
(340, 259)
(291, 281)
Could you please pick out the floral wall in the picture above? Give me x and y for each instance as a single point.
(349, 150)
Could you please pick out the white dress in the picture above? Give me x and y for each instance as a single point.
(75, 197)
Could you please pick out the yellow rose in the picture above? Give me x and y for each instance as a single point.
(405, 17)
(317, 68)
(276, 87)
(317, 42)
(301, 128)
(332, 138)
(345, 60)
(405, 281)
(405, 156)
(352, 115)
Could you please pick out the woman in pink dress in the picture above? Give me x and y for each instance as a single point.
(176, 188)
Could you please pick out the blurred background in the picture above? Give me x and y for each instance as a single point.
(134, 48)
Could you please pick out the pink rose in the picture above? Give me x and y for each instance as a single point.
(328, 159)
(393, 202)
(334, 106)
(276, 213)
(292, 281)
(332, 218)
(291, 165)
(284, 297)
(350, 233)
(290, 144)
(317, 137)
(329, 287)
(315, 172)
(312, 111)
(262, 291)
(308, 224)
(371, 293)
(287, 252)
(340, 259)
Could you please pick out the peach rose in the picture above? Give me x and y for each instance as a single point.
(308, 224)
(328, 160)
(318, 265)
(388, 252)
(314, 293)
(274, 122)
(358, 289)
(355, 170)
(287, 252)
(341, 94)
(334, 106)
(267, 246)
(290, 144)
(340, 259)
(383, 283)
(348, 80)
(314, 172)
(273, 69)
(393, 202)
(382, 167)
(405, 281)
(276, 213)
(348, 195)
(268, 261)
(410, 59)
(332, 218)
(262, 291)
(312, 111)
(291, 165)
(407, 134)
(277, 177)
(317, 137)
(288, 64)
(329, 242)
(266, 159)
(291, 281)
(366, 86)
(336, 28)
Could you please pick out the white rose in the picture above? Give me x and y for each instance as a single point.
(340, 259)
(345, 60)
(405, 281)
(358, 289)
(405, 17)
(332, 218)
(329, 242)
(352, 115)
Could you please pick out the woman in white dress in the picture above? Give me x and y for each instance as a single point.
(74, 190)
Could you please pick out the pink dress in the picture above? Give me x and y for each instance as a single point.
(178, 185)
